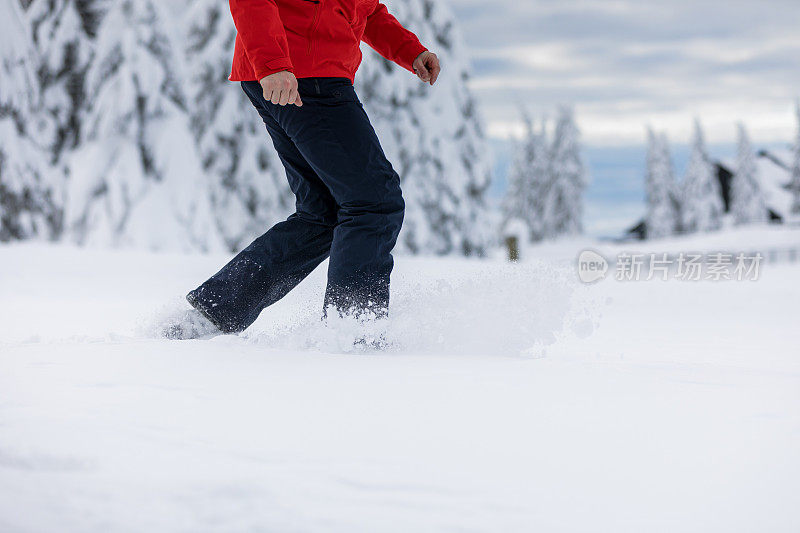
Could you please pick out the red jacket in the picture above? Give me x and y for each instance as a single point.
(315, 37)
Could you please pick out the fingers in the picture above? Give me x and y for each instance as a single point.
(435, 69)
(422, 72)
(280, 96)
(291, 97)
(427, 67)
(283, 96)
(286, 93)
(281, 89)
(272, 94)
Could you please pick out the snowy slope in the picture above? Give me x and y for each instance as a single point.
(748, 239)
(642, 406)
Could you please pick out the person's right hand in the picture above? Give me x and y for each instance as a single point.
(281, 89)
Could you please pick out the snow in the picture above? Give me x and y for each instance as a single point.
(748, 239)
(514, 399)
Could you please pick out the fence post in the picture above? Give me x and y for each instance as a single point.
(512, 245)
(515, 233)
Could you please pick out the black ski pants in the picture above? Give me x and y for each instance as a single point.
(348, 206)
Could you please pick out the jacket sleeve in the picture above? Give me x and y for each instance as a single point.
(261, 34)
(390, 39)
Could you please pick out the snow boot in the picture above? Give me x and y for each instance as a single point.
(190, 324)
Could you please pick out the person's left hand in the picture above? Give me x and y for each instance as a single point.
(427, 67)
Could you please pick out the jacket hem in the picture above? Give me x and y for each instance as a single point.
(301, 73)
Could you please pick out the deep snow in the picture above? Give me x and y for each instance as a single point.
(514, 399)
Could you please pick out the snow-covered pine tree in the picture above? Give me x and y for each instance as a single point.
(136, 179)
(29, 192)
(248, 188)
(747, 200)
(662, 217)
(702, 199)
(794, 184)
(563, 211)
(433, 136)
(63, 34)
(528, 182)
(122, 128)
(676, 189)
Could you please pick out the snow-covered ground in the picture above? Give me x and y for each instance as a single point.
(764, 239)
(514, 399)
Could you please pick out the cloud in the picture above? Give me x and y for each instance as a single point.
(627, 63)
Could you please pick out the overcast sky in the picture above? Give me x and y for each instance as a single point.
(628, 63)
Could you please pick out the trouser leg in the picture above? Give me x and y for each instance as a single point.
(334, 135)
(277, 261)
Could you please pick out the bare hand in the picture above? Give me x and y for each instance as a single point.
(426, 65)
(281, 89)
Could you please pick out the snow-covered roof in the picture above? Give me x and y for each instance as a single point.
(773, 175)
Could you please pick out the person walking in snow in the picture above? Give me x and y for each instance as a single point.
(296, 61)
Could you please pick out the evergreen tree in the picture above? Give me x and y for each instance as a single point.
(563, 212)
(63, 33)
(248, 188)
(702, 197)
(158, 156)
(747, 200)
(433, 136)
(528, 182)
(29, 192)
(794, 184)
(663, 214)
(136, 179)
